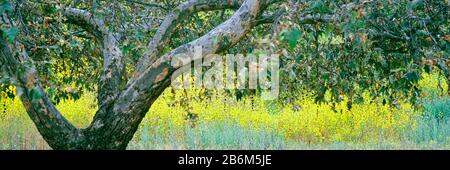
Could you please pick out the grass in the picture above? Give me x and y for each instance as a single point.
(434, 125)
(223, 123)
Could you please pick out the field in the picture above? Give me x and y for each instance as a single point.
(221, 123)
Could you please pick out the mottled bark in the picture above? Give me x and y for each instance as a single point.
(87, 21)
(113, 66)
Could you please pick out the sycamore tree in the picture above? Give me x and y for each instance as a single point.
(123, 50)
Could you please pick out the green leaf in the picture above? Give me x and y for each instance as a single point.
(415, 4)
(9, 34)
(292, 37)
(319, 6)
(35, 94)
(51, 92)
(412, 77)
(126, 50)
(5, 6)
(354, 14)
(50, 9)
(10, 94)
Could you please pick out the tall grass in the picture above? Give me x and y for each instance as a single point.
(433, 126)
(220, 135)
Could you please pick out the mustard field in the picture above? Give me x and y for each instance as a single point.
(221, 122)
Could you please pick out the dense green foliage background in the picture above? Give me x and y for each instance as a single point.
(379, 46)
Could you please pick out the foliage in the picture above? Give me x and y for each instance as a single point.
(378, 46)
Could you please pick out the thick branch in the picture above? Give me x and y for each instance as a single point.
(87, 21)
(112, 72)
(113, 66)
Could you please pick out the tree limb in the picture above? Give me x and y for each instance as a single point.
(113, 66)
(268, 19)
(147, 4)
(87, 21)
(311, 19)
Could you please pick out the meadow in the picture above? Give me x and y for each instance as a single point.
(223, 123)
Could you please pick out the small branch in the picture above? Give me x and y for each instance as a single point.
(268, 19)
(147, 4)
(389, 36)
(328, 18)
(311, 19)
